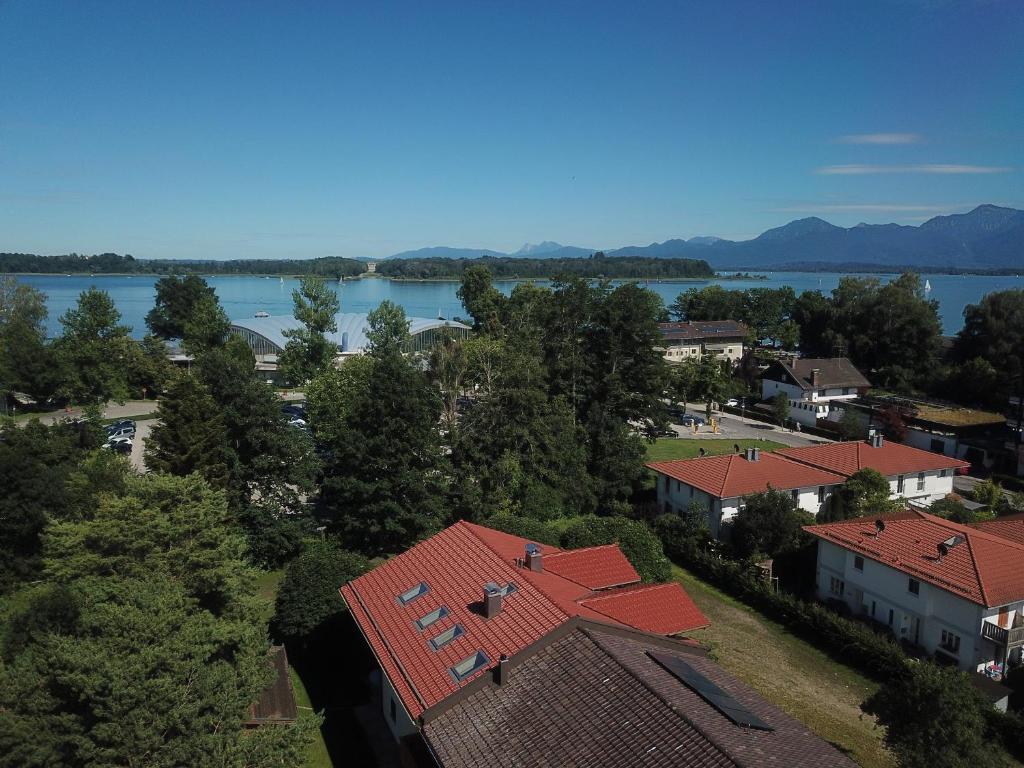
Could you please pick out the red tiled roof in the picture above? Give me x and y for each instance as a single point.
(733, 475)
(890, 458)
(984, 568)
(593, 567)
(663, 609)
(455, 564)
(1007, 527)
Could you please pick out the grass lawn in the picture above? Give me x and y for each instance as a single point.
(266, 589)
(792, 674)
(668, 448)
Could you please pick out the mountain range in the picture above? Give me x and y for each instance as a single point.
(988, 237)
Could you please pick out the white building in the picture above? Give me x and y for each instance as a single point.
(810, 474)
(691, 339)
(721, 483)
(957, 591)
(812, 385)
(913, 474)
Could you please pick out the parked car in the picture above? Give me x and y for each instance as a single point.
(732, 402)
(121, 432)
(119, 445)
(295, 421)
(122, 424)
(690, 419)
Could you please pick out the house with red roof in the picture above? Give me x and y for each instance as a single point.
(914, 474)
(446, 611)
(721, 482)
(955, 590)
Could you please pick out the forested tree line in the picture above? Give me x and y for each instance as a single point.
(890, 331)
(112, 263)
(504, 267)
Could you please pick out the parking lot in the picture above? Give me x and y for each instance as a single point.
(739, 427)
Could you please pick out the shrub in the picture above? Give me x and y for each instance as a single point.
(309, 595)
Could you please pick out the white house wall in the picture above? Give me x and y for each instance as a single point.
(401, 724)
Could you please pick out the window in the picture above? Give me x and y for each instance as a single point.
(914, 587)
(677, 486)
(937, 446)
(836, 586)
(469, 666)
(872, 609)
(846, 390)
(950, 641)
(448, 636)
(691, 491)
(944, 473)
(822, 392)
(666, 483)
(795, 493)
(411, 594)
(668, 508)
(821, 494)
(431, 618)
(899, 484)
(394, 711)
(890, 617)
(858, 563)
(920, 481)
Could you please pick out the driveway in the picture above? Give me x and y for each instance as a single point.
(740, 427)
(142, 429)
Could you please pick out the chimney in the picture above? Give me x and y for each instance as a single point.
(492, 600)
(753, 454)
(534, 558)
(876, 440)
(815, 377)
(501, 671)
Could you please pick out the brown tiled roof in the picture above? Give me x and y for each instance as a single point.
(590, 695)
(704, 330)
(276, 703)
(832, 372)
(732, 475)
(889, 458)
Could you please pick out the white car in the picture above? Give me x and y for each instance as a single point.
(733, 403)
(119, 444)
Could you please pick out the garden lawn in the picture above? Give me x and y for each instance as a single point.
(266, 589)
(792, 674)
(669, 448)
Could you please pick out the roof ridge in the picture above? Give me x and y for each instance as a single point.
(977, 571)
(561, 552)
(725, 477)
(622, 590)
(969, 531)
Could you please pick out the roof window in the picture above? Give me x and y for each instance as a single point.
(449, 635)
(432, 618)
(469, 666)
(411, 594)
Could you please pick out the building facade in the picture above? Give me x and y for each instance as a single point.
(813, 385)
(956, 591)
(725, 339)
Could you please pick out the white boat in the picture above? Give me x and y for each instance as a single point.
(261, 313)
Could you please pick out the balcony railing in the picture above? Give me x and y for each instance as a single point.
(1011, 638)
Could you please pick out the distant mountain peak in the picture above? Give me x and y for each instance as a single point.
(704, 240)
(531, 249)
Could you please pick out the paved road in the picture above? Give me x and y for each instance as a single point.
(739, 427)
(142, 429)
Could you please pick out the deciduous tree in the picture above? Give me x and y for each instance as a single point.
(309, 351)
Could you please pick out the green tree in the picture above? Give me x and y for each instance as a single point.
(177, 300)
(866, 492)
(953, 509)
(712, 382)
(482, 300)
(933, 718)
(158, 570)
(989, 493)
(206, 327)
(851, 425)
(712, 302)
(780, 407)
(149, 373)
(994, 331)
(769, 523)
(309, 351)
(382, 487)
(35, 463)
(92, 349)
(27, 362)
(309, 596)
(684, 378)
(189, 435)
(332, 394)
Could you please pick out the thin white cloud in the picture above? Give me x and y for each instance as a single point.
(864, 208)
(880, 138)
(858, 169)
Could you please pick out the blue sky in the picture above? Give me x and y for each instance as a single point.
(303, 129)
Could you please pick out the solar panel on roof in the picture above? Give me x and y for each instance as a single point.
(711, 693)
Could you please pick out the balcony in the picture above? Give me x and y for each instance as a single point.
(1011, 638)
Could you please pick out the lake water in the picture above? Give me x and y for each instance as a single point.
(244, 296)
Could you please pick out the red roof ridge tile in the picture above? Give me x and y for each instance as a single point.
(627, 589)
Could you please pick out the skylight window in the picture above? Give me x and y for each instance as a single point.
(449, 635)
(469, 666)
(432, 618)
(411, 594)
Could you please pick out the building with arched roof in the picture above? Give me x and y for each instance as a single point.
(266, 335)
